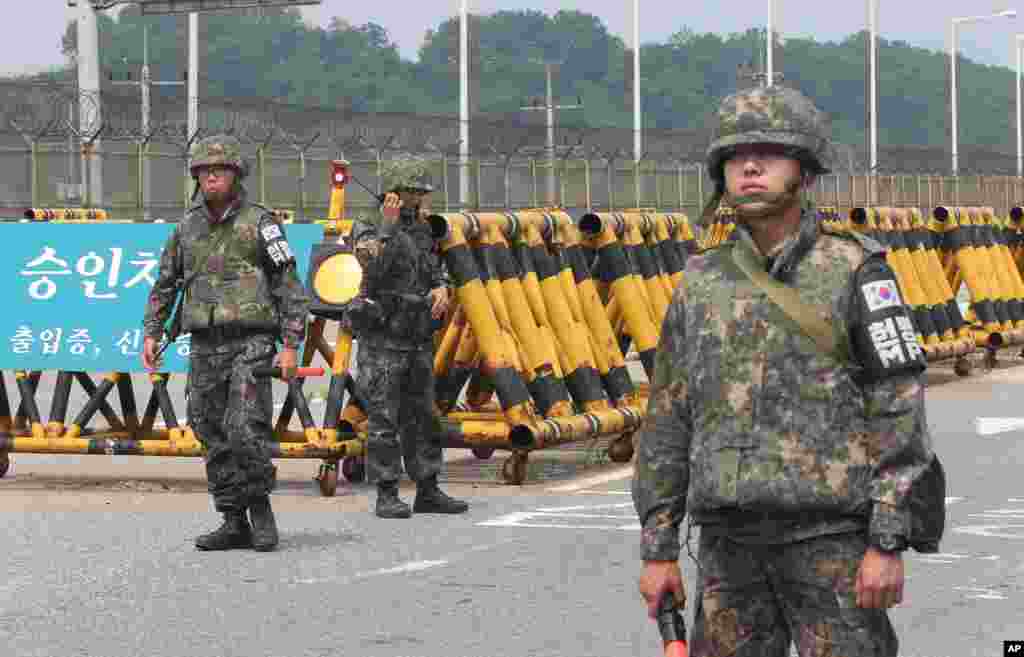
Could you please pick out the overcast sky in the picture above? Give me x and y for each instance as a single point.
(32, 39)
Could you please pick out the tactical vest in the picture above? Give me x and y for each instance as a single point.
(779, 424)
(230, 288)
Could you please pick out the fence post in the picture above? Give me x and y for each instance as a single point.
(34, 172)
(140, 193)
(478, 176)
(444, 180)
(682, 192)
(700, 185)
(533, 183)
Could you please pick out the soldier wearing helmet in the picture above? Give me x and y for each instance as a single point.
(240, 295)
(786, 414)
(403, 297)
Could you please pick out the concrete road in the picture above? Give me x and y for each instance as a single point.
(99, 558)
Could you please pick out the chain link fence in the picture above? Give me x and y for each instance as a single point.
(49, 135)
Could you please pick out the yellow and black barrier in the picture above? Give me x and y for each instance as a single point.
(66, 214)
(974, 255)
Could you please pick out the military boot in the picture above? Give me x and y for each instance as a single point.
(264, 527)
(431, 499)
(389, 505)
(234, 534)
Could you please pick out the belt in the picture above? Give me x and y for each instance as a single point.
(229, 332)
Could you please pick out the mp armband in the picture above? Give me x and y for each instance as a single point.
(883, 336)
(276, 246)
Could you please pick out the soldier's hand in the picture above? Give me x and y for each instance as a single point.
(392, 208)
(288, 361)
(439, 302)
(149, 359)
(658, 578)
(880, 580)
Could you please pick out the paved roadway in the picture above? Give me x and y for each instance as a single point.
(99, 558)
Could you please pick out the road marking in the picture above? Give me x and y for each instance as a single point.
(564, 517)
(411, 567)
(581, 507)
(981, 593)
(993, 531)
(953, 500)
(408, 567)
(952, 557)
(615, 475)
(991, 426)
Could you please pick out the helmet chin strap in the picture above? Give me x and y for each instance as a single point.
(766, 204)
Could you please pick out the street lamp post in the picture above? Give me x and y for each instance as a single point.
(954, 22)
(1019, 44)
(464, 104)
(873, 77)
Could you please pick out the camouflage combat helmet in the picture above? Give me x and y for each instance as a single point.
(406, 172)
(218, 150)
(775, 115)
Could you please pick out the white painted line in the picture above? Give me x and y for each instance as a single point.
(993, 531)
(980, 593)
(953, 500)
(408, 567)
(556, 517)
(615, 475)
(411, 567)
(582, 507)
(991, 426)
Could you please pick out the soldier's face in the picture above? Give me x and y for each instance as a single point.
(762, 179)
(415, 200)
(217, 183)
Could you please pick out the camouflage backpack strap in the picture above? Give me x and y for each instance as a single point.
(788, 300)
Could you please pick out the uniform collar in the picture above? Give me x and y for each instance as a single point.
(788, 253)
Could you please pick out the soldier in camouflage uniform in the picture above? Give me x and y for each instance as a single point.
(241, 295)
(795, 461)
(403, 293)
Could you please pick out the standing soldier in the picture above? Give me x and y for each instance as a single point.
(403, 293)
(236, 271)
(786, 413)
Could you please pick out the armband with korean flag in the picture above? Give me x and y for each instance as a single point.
(882, 333)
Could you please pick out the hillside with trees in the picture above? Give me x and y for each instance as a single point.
(274, 54)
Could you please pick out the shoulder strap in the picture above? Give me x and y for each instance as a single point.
(787, 299)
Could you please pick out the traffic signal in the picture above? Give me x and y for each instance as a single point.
(334, 277)
(339, 174)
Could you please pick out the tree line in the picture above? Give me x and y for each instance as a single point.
(273, 53)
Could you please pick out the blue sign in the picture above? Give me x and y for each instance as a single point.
(75, 294)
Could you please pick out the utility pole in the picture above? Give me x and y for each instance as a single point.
(90, 112)
(638, 147)
(193, 74)
(145, 83)
(549, 108)
(464, 104)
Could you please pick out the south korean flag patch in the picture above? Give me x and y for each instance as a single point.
(881, 294)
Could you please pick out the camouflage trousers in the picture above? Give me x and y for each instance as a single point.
(397, 391)
(231, 413)
(756, 600)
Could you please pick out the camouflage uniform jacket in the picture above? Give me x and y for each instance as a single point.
(399, 258)
(753, 429)
(240, 285)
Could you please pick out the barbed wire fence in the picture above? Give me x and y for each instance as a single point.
(49, 134)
